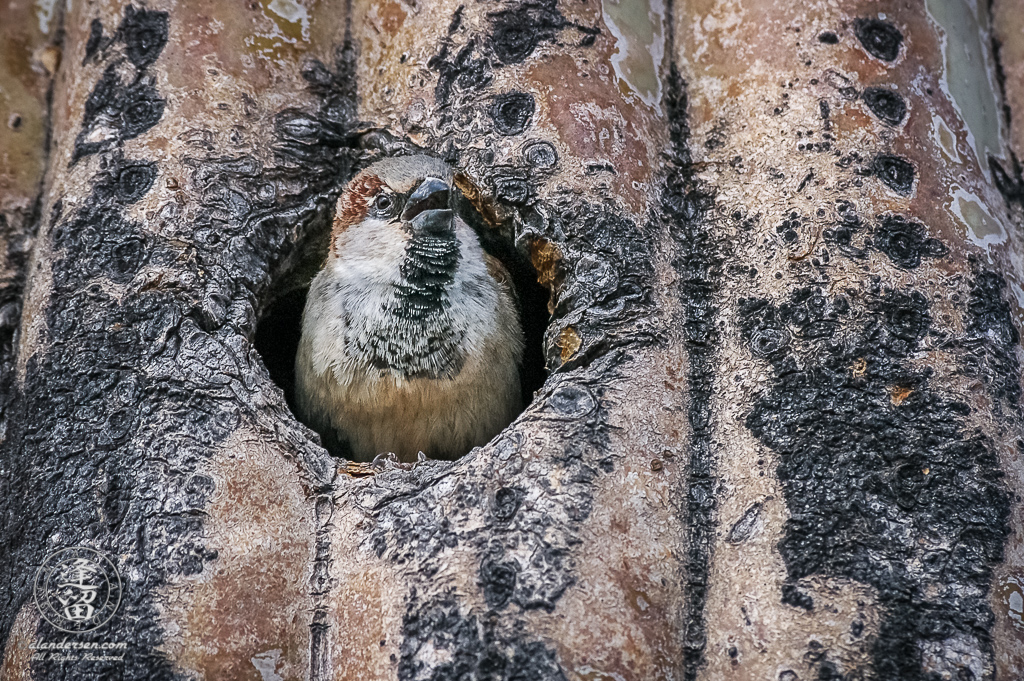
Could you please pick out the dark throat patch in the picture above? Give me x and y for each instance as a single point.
(419, 338)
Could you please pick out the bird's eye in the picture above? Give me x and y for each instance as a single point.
(383, 203)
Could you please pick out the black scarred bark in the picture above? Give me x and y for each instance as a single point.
(136, 381)
(143, 361)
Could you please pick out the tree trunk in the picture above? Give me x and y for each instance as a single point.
(867, 371)
(29, 59)
(780, 434)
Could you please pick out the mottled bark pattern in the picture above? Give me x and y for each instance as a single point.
(780, 436)
(28, 58)
(868, 382)
(147, 426)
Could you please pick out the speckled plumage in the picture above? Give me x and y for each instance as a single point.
(410, 337)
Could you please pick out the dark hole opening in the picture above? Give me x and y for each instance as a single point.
(277, 340)
(279, 328)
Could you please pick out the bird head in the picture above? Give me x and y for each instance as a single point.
(413, 194)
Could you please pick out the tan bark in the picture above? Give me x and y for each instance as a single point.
(25, 69)
(28, 58)
(1008, 31)
(779, 436)
(783, 128)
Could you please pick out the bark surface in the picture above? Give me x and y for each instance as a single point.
(780, 435)
(28, 58)
(867, 394)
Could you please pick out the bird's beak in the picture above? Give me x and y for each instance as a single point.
(427, 209)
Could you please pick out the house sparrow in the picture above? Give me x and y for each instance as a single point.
(411, 339)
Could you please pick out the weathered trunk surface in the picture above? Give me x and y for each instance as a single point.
(28, 58)
(1008, 50)
(867, 401)
(146, 426)
(780, 437)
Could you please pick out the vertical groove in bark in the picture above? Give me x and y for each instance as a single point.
(316, 144)
(698, 266)
(28, 55)
(1007, 22)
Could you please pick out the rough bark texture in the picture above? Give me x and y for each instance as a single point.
(28, 58)
(147, 426)
(555, 551)
(867, 394)
(780, 436)
(1008, 49)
